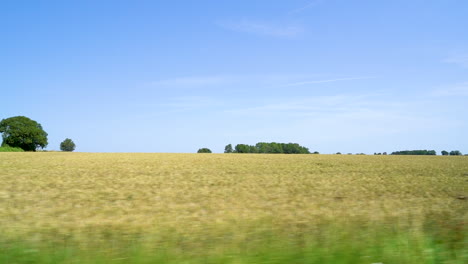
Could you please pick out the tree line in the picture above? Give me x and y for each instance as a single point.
(294, 148)
(268, 148)
(415, 152)
(427, 152)
(23, 133)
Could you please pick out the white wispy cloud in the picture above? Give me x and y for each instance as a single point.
(186, 103)
(330, 80)
(307, 6)
(277, 80)
(177, 105)
(456, 90)
(345, 113)
(460, 59)
(264, 28)
(311, 105)
(192, 81)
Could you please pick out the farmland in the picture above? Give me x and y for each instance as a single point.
(231, 208)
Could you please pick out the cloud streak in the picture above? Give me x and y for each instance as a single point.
(307, 6)
(195, 81)
(316, 106)
(269, 28)
(263, 28)
(461, 60)
(329, 80)
(346, 111)
(457, 90)
(273, 80)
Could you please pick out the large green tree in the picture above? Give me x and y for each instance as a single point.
(22, 132)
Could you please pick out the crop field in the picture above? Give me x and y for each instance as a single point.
(232, 208)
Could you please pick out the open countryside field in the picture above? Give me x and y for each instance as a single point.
(232, 208)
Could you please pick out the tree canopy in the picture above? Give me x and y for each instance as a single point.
(270, 148)
(67, 145)
(455, 153)
(228, 149)
(22, 132)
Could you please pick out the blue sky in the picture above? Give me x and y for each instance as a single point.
(175, 76)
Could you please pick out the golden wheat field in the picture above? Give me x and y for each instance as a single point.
(193, 196)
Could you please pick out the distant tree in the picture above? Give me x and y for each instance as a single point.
(22, 132)
(455, 153)
(385, 153)
(316, 152)
(444, 153)
(263, 147)
(294, 148)
(242, 148)
(67, 145)
(276, 148)
(204, 150)
(228, 149)
(253, 149)
(338, 153)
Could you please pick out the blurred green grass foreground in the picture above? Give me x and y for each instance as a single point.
(232, 208)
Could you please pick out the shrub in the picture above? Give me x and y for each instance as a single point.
(204, 150)
(67, 145)
(10, 149)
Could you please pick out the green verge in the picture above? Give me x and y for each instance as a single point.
(357, 243)
(10, 149)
